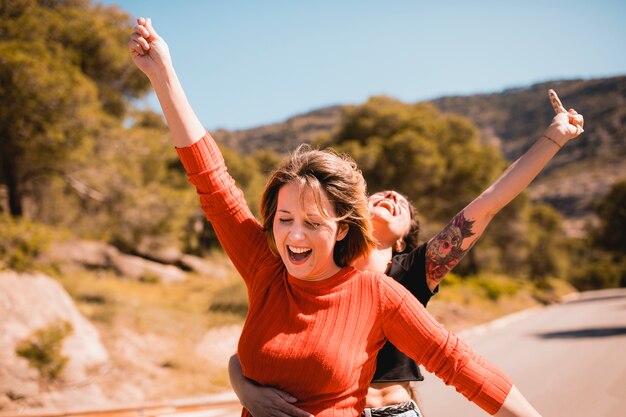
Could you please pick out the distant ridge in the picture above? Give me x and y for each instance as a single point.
(512, 120)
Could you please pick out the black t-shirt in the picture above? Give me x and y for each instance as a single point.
(409, 269)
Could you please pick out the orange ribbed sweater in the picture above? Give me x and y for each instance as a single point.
(318, 340)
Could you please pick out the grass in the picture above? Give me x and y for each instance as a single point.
(151, 330)
(464, 302)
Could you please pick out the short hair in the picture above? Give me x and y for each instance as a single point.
(339, 178)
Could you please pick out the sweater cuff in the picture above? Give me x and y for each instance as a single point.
(200, 156)
(492, 396)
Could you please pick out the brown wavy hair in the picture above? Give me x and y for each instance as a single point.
(337, 176)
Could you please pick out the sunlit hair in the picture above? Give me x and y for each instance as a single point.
(336, 176)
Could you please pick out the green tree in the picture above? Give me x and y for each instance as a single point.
(599, 260)
(612, 213)
(132, 192)
(504, 247)
(546, 256)
(427, 155)
(439, 162)
(64, 69)
(250, 172)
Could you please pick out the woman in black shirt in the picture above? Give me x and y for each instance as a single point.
(420, 269)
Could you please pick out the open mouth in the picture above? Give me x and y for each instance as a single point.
(298, 255)
(387, 205)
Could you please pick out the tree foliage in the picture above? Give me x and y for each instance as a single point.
(21, 242)
(131, 192)
(439, 162)
(418, 151)
(64, 69)
(612, 213)
(546, 255)
(250, 173)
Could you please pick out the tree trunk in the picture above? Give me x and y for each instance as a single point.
(12, 181)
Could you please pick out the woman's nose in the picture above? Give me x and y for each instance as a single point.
(297, 233)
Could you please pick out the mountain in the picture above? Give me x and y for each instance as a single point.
(284, 136)
(586, 168)
(512, 119)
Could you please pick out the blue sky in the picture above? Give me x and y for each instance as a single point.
(247, 63)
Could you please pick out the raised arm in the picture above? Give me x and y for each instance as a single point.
(152, 56)
(446, 249)
(240, 234)
(259, 400)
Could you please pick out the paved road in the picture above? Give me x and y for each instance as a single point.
(567, 359)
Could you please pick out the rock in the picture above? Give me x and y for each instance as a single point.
(158, 253)
(102, 255)
(143, 269)
(32, 302)
(202, 267)
(87, 253)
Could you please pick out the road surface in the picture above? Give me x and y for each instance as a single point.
(567, 359)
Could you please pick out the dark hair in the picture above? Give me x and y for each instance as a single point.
(338, 177)
(411, 238)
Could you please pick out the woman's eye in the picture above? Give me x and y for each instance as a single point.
(314, 225)
(284, 220)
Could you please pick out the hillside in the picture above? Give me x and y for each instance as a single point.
(587, 167)
(279, 137)
(512, 120)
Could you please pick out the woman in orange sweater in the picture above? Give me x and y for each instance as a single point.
(315, 323)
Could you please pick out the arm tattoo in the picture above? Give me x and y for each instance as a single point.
(444, 250)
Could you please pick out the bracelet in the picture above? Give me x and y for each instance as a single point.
(553, 141)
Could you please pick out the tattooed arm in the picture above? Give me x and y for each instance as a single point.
(446, 249)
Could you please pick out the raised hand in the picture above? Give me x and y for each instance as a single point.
(566, 125)
(149, 51)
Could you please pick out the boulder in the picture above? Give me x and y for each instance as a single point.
(143, 269)
(84, 252)
(29, 302)
(203, 267)
(102, 255)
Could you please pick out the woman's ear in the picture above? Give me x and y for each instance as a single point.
(342, 231)
(399, 246)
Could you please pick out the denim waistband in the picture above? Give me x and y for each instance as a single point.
(391, 410)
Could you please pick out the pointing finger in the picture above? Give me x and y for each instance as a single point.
(556, 102)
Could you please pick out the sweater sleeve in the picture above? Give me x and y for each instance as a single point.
(238, 231)
(415, 332)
